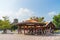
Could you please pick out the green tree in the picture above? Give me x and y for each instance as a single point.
(1, 23)
(13, 27)
(56, 20)
(38, 19)
(5, 24)
(41, 19)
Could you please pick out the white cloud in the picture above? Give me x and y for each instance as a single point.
(51, 14)
(7, 4)
(5, 13)
(21, 14)
(24, 13)
(6, 7)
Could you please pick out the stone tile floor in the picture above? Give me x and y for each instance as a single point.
(27, 37)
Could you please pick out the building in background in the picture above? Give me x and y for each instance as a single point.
(14, 26)
(15, 21)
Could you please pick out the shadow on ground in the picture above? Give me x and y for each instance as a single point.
(55, 34)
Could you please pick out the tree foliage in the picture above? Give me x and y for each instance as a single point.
(5, 23)
(56, 20)
(14, 27)
(39, 19)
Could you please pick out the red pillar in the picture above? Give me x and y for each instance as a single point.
(18, 30)
(24, 29)
(35, 29)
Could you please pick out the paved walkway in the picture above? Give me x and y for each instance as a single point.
(27, 37)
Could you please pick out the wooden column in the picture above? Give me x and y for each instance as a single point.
(19, 30)
(27, 29)
(41, 29)
(24, 29)
(32, 29)
(35, 29)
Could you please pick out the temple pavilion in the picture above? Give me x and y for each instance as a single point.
(34, 27)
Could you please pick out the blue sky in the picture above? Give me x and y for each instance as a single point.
(23, 9)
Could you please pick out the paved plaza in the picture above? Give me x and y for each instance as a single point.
(27, 37)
